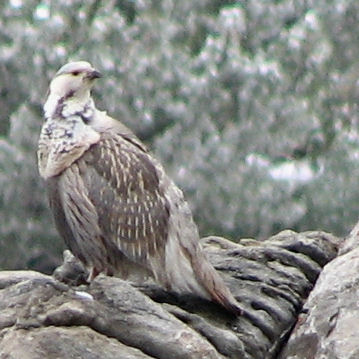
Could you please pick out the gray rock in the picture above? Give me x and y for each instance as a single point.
(351, 241)
(43, 317)
(329, 326)
(67, 342)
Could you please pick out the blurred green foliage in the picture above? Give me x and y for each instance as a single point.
(250, 105)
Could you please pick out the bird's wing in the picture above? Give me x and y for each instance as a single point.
(124, 186)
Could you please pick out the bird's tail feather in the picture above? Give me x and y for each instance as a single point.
(214, 284)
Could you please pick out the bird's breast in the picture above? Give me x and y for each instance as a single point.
(63, 141)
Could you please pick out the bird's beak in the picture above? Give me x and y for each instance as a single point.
(94, 75)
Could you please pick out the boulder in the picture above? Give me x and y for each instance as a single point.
(328, 326)
(59, 316)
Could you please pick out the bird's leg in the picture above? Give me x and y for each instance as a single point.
(94, 272)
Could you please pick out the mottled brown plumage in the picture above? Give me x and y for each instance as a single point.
(112, 202)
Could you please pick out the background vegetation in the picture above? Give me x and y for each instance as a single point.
(251, 106)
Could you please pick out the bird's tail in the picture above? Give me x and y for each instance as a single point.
(187, 269)
(214, 284)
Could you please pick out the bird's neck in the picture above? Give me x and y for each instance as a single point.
(57, 106)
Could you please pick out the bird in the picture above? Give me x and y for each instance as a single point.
(112, 202)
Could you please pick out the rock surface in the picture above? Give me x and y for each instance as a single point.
(42, 317)
(329, 326)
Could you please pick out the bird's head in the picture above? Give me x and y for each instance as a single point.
(74, 79)
(70, 89)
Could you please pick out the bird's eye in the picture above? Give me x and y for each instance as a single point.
(75, 73)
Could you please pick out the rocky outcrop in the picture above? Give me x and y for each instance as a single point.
(329, 325)
(43, 317)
